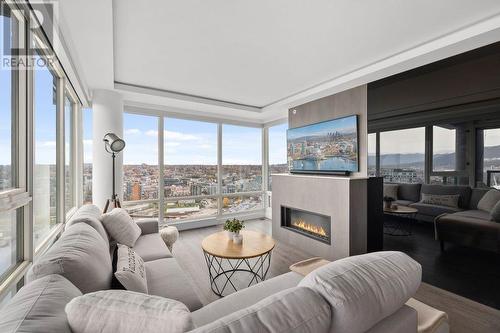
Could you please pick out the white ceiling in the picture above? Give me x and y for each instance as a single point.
(255, 53)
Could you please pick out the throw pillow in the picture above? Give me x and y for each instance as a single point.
(489, 200)
(391, 190)
(121, 227)
(495, 212)
(110, 311)
(130, 270)
(447, 200)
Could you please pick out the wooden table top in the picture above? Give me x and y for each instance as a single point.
(401, 210)
(254, 244)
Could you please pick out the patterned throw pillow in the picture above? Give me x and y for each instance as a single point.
(447, 200)
(130, 270)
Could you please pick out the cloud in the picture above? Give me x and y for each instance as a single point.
(170, 135)
(152, 133)
(173, 144)
(41, 144)
(132, 131)
(87, 142)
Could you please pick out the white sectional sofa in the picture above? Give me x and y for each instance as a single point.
(359, 294)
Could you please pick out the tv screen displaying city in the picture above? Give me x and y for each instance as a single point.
(327, 147)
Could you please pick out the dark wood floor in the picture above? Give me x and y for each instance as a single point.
(468, 272)
(466, 316)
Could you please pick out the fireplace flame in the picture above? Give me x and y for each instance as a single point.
(301, 224)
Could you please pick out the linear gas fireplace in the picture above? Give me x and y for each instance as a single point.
(309, 224)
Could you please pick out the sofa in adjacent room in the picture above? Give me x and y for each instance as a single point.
(469, 223)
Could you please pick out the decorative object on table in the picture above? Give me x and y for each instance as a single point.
(113, 145)
(234, 227)
(169, 235)
(388, 202)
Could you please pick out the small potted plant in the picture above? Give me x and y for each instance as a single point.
(388, 202)
(234, 227)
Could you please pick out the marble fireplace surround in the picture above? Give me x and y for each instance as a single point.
(341, 198)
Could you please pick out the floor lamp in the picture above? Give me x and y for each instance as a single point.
(113, 145)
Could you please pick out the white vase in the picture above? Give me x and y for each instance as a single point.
(237, 238)
(230, 234)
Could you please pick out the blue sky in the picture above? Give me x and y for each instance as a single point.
(44, 117)
(189, 142)
(340, 125)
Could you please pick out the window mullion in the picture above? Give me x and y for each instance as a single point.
(161, 162)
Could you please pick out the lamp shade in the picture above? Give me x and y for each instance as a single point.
(113, 143)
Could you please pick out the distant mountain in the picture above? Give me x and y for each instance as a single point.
(417, 160)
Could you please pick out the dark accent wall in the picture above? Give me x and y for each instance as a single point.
(346, 103)
(463, 87)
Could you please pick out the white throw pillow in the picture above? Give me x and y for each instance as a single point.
(489, 200)
(121, 227)
(130, 270)
(110, 311)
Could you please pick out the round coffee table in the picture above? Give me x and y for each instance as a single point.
(224, 258)
(399, 228)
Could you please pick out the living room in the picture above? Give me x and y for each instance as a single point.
(218, 167)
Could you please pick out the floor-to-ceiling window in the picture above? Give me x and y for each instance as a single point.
(45, 169)
(241, 168)
(402, 155)
(141, 172)
(87, 155)
(277, 151)
(190, 169)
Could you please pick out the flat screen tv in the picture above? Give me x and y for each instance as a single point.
(327, 147)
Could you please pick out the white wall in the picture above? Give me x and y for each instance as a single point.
(107, 108)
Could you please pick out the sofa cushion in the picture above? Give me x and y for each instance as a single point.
(244, 298)
(81, 256)
(298, 309)
(489, 200)
(364, 289)
(39, 306)
(90, 215)
(410, 192)
(130, 270)
(468, 231)
(403, 202)
(495, 212)
(391, 190)
(477, 214)
(447, 200)
(462, 190)
(167, 279)
(476, 195)
(121, 227)
(151, 247)
(433, 210)
(111, 311)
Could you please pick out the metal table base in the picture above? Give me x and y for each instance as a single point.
(222, 270)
